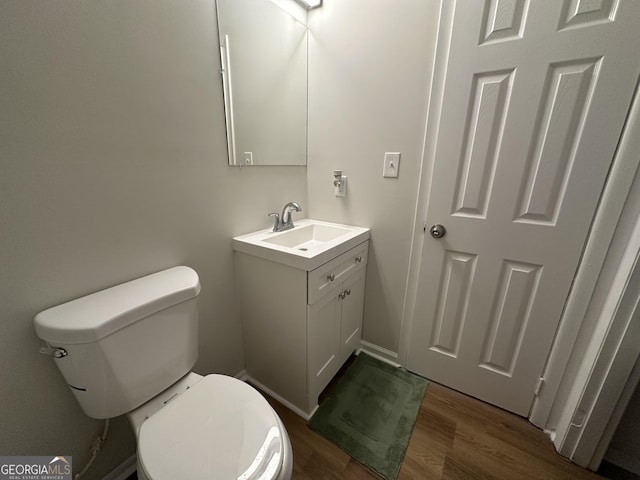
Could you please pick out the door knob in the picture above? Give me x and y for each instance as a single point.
(437, 231)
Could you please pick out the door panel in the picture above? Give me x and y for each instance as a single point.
(453, 300)
(509, 315)
(323, 341)
(352, 310)
(567, 90)
(485, 126)
(535, 98)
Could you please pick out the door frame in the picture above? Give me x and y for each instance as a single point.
(567, 343)
(604, 361)
(613, 198)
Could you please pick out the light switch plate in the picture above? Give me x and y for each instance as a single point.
(391, 164)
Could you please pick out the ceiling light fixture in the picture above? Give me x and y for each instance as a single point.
(309, 4)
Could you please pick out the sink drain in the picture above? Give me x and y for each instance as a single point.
(303, 249)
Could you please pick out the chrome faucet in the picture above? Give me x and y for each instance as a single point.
(284, 221)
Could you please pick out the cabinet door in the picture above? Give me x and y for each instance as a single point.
(352, 310)
(323, 341)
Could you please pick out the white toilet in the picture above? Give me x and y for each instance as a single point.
(130, 348)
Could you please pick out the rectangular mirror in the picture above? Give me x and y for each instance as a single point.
(263, 53)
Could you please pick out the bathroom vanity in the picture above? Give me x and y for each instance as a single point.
(301, 296)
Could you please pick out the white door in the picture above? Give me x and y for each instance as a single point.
(534, 101)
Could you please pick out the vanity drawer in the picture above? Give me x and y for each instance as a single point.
(332, 273)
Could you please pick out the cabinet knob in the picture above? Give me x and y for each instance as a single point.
(341, 295)
(358, 259)
(348, 291)
(331, 277)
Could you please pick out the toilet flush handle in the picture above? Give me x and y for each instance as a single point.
(55, 352)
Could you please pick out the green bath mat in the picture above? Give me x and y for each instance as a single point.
(370, 414)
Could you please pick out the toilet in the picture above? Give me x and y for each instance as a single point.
(130, 349)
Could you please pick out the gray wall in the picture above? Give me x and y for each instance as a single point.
(112, 166)
(370, 66)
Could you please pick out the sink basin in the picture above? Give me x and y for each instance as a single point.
(308, 245)
(308, 237)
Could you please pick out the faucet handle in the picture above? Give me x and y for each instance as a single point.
(276, 220)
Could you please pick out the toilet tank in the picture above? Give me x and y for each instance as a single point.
(126, 344)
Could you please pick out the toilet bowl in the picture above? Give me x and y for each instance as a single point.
(130, 349)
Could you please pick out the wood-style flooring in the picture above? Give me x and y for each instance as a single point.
(455, 437)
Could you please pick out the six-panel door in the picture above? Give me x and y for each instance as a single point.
(534, 100)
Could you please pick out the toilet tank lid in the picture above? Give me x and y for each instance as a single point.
(93, 317)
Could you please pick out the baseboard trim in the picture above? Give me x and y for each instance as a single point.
(380, 353)
(277, 397)
(124, 470)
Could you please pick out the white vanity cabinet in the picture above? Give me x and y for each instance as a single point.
(334, 330)
(334, 315)
(300, 327)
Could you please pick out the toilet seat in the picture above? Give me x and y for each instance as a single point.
(219, 428)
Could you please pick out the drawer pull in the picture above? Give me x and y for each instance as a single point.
(331, 277)
(358, 259)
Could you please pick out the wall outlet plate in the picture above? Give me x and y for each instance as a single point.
(341, 190)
